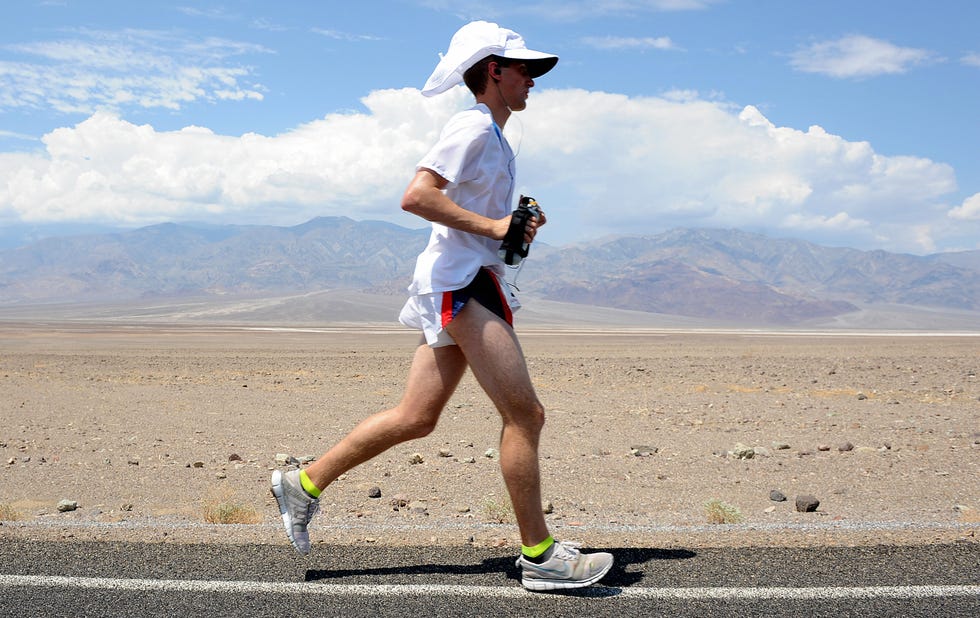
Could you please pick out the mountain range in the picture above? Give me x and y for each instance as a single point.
(716, 276)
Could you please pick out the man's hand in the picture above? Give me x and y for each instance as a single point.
(533, 223)
(501, 226)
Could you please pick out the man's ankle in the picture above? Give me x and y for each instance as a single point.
(308, 486)
(541, 552)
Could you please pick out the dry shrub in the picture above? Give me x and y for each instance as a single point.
(9, 513)
(227, 511)
(499, 513)
(719, 512)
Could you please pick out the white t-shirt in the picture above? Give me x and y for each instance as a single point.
(475, 158)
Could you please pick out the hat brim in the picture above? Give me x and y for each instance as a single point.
(537, 63)
(536, 67)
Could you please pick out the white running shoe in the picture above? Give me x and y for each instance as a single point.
(296, 506)
(567, 568)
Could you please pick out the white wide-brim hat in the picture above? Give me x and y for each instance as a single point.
(474, 42)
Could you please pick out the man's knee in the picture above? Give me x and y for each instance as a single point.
(418, 425)
(538, 415)
(530, 416)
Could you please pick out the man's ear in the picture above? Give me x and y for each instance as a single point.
(495, 69)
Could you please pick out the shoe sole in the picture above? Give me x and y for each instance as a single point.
(545, 585)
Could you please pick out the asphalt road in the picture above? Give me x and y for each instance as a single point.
(65, 578)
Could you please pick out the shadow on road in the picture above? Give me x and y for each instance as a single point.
(620, 576)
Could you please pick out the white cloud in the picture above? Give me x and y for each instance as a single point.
(115, 70)
(636, 6)
(207, 13)
(641, 165)
(564, 10)
(261, 23)
(971, 60)
(969, 211)
(107, 169)
(15, 135)
(599, 164)
(839, 222)
(858, 56)
(344, 36)
(629, 43)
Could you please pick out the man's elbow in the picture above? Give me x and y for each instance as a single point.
(422, 193)
(410, 202)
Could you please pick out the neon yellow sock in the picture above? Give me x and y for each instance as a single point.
(308, 485)
(540, 548)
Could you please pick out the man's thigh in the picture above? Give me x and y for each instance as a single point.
(494, 355)
(433, 377)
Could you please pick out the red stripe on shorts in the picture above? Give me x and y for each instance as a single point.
(504, 305)
(447, 308)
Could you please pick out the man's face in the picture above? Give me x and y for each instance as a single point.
(515, 83)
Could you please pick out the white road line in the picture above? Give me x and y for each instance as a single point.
(244, 587)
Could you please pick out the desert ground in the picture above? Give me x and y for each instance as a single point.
(151, 428)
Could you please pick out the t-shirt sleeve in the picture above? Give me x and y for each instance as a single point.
(456, 156)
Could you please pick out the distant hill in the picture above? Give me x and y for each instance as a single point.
(21, 234)
(171, 260)
(721, 275)
(736, 275)
(960, 259)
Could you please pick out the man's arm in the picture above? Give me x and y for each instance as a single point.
(424, 197)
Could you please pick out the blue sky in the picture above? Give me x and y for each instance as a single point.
(843, 123)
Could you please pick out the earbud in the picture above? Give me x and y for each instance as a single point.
(496, 70)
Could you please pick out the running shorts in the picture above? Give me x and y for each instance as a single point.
(431, 313)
